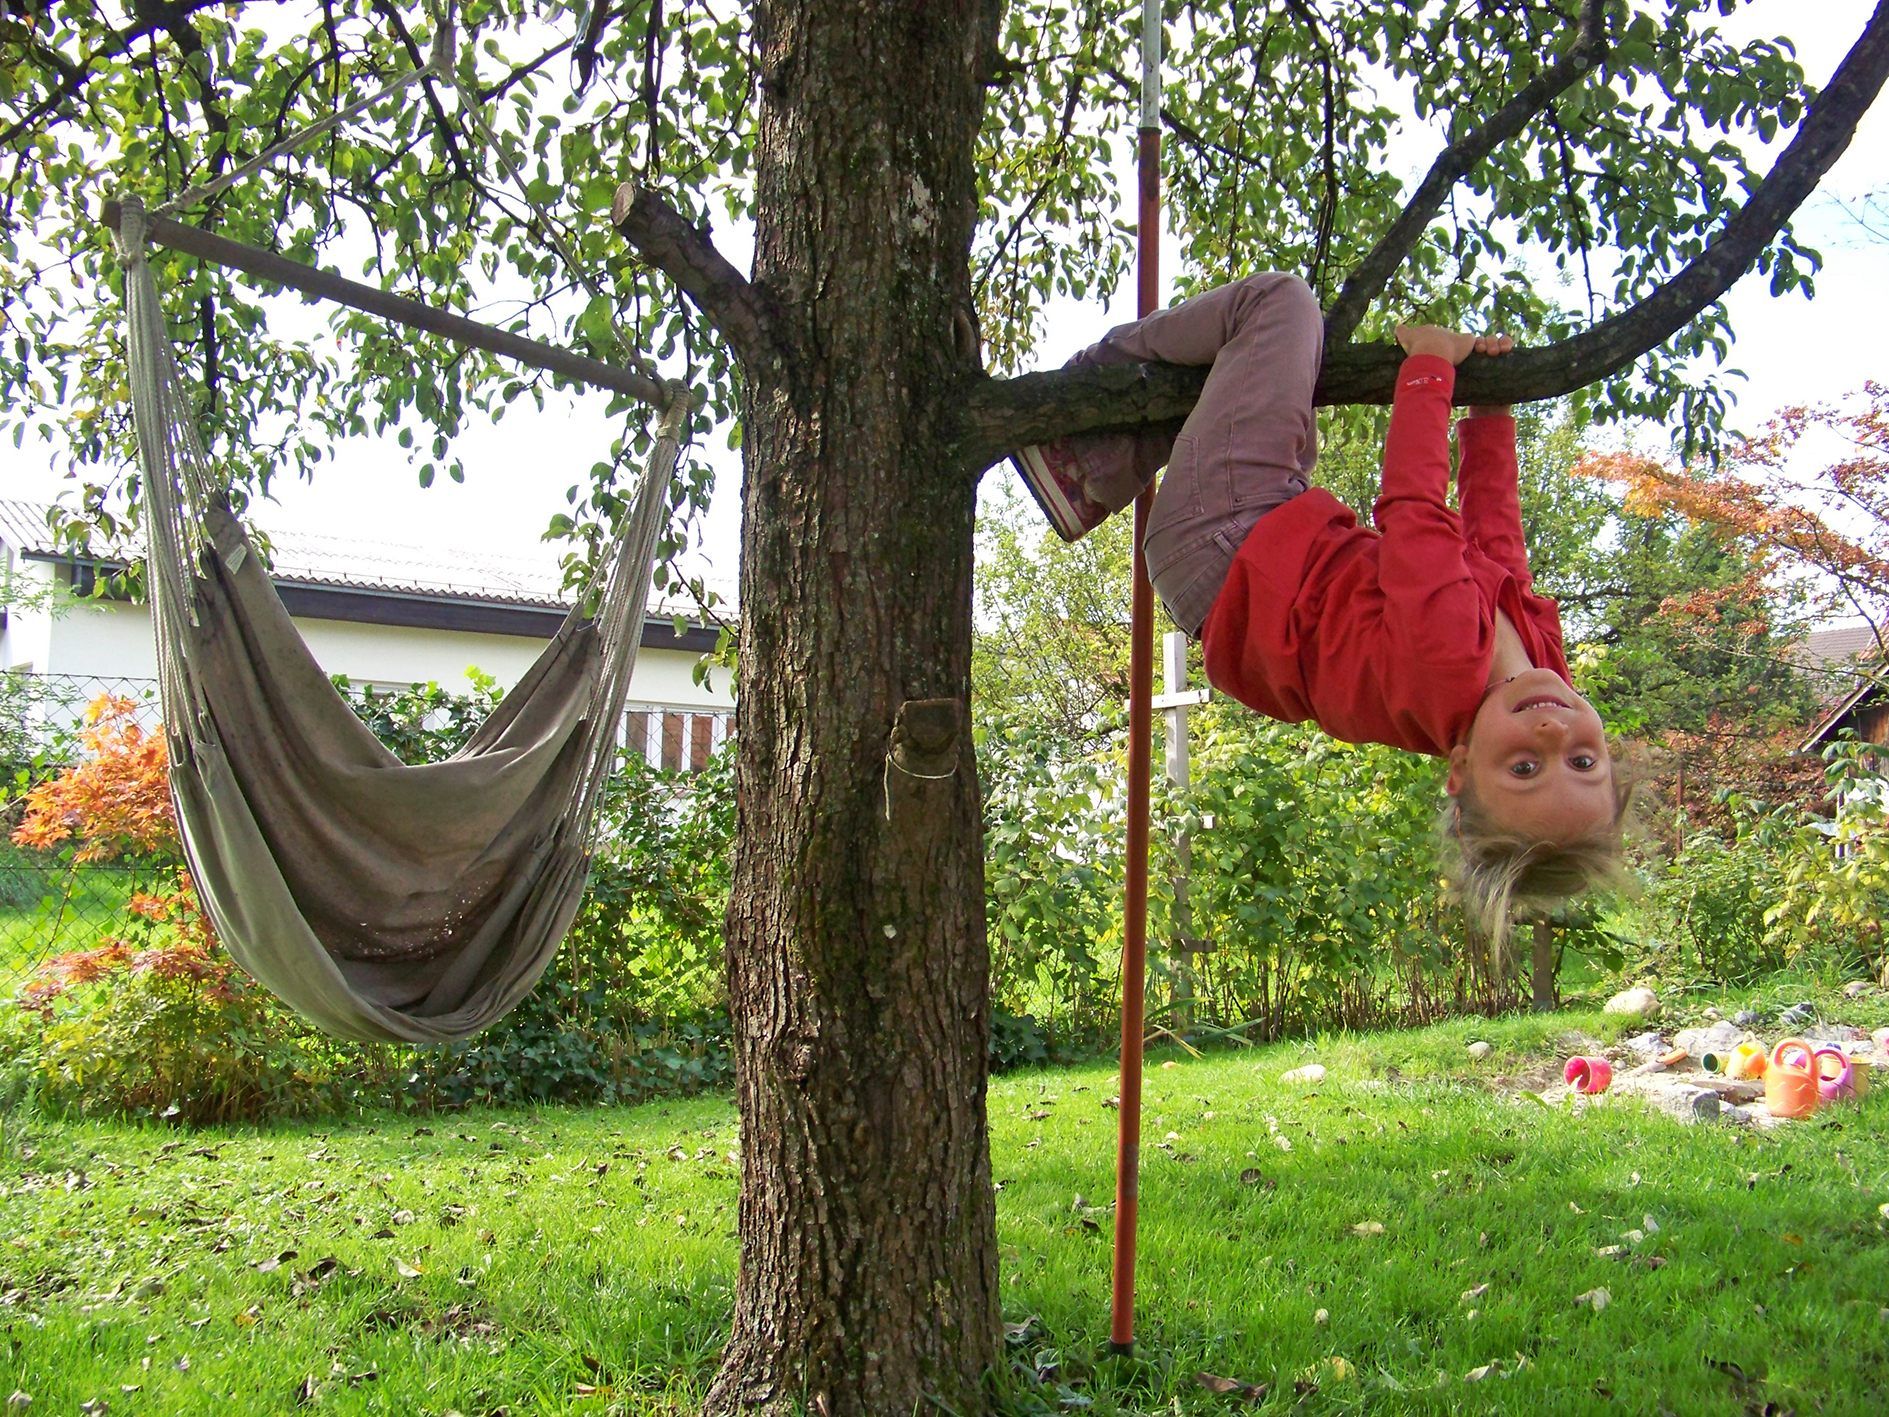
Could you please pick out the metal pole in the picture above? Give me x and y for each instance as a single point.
(1140, 735)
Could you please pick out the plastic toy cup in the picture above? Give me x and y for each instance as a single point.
(1790, 1082)
(1588, 1074)
(1835, 1077)
(1713, 1061)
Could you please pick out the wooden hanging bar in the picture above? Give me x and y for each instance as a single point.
(326, 285)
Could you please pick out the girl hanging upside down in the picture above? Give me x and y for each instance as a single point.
(1423, 633)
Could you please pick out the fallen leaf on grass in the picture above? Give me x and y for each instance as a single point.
(275, 1263)
(1233, 1387)
(1331, 1370)
(1322, 1317)
(407, 1271)
(1368, 1227)
(1595, 1299)
(1476, 1293)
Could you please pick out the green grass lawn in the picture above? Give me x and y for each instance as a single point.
(582, 1260)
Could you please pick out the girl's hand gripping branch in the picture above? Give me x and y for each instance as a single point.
(1453, 345)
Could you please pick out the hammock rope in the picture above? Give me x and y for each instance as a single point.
(414, 904)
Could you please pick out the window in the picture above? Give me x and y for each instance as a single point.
(676, 739)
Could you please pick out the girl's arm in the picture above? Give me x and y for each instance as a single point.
(1487, 488)
(1431, 602)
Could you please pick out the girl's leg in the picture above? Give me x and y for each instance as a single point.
(1251, 442)
(1247, 446)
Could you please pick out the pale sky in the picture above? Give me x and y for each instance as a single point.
(1793, 350)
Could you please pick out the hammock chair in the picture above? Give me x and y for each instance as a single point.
(382, 901)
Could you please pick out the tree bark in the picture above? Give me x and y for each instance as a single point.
(1541, 969)
(858, 968)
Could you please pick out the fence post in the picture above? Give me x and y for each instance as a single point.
(1175, 701)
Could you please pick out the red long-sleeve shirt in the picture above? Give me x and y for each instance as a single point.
(1386, 636)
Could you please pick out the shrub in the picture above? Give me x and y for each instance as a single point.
(157, 1020)
(1312, 876)
(1834, 893)
(1052, 880)
(1706, 907)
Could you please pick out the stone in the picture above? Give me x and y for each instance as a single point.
(1480, 1050)
(1640, 1003)
(1747, 1018)
(1311, 1073)
(1711, 1013)
(1646, 1044)
(1739, 1090)
(1721, 1037)
(1689, 1104)
(1856, 988)
(1797, 1015)
(1831, 1033)
(1677, 1098)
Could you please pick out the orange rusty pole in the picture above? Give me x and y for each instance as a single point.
(1140, 734)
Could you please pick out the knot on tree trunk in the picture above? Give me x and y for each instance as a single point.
(925, 737)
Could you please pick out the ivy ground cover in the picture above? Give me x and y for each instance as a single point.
(1417, 1234)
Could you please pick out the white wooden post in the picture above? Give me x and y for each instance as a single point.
(1174, 704)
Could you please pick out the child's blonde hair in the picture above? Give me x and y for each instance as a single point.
(1499, 875)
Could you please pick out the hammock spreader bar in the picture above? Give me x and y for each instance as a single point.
(326, 285)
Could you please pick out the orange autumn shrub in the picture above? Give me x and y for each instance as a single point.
(117, 802)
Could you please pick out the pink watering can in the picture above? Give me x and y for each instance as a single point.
(1588, 1074)
(1790, 1080)
(1836, 1077)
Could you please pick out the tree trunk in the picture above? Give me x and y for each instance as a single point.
(1541, 969)
(858, 969)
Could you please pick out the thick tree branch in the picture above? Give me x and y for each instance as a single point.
(663, 237)
(1367, 281)
(1004, 414)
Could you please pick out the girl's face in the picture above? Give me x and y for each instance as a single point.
(1536, 758)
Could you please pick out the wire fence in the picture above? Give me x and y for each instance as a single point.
(52, 903)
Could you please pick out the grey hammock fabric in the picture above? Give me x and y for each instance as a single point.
(383, 902)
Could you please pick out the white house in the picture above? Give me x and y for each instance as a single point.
(383, 615)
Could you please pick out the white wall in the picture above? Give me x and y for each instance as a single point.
(26, 641)
(111, 640)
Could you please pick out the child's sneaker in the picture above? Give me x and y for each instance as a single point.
(1054, 477)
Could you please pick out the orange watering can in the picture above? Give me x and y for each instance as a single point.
(1790, 1080)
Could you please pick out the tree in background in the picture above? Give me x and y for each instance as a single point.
(1827, 529)
(1790, 526)
(908, 170)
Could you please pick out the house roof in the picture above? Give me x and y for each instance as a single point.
(348, 563)
(1850, 656)
(1839, 645)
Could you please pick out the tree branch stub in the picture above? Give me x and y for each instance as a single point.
(682, 251)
